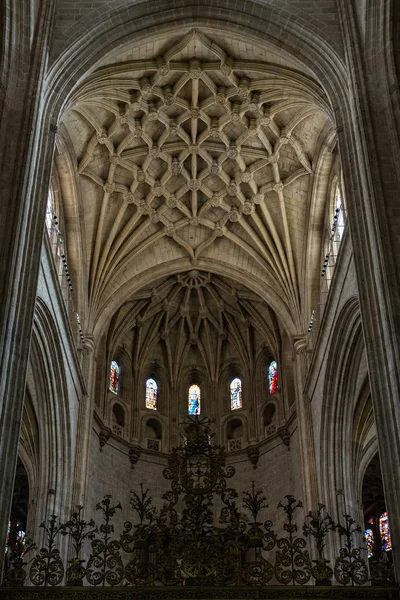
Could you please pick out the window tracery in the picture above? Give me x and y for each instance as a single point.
(236, 393)
(194, 400)
(114, 377)
(273, 377)
(151, 394)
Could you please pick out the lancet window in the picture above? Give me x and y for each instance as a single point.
(151, 394)
(369, 540)
(114, 377)
(337, 222)
(273, 377)
(382, 530)
(194, 400)
(236, 393)
(385, 532)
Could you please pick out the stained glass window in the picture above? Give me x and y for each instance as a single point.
(49, 214)
(236, 393)
(273, 377)
(194, 400)
(369, 540)
(15, 537)
(339, 215)
(114, 377)
(8, 536)
(151, 394)
(384, 530)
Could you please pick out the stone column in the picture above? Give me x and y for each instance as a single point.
(304, 424)
(84, 428)
(369, 137)
(26, 146)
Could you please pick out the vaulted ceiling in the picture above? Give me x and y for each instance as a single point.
(195, 154)
(196, 320)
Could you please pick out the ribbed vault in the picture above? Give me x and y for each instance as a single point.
(196, 319)
(195, 154)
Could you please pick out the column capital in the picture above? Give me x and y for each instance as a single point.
(89, 342)
(300, 345)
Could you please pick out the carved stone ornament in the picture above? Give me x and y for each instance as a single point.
(247, 208)
(134, 455)
(172, 201)
(103, 438)
(176, 167)
(140, 176)
(195, 121)
(284, 434)
(254, 454)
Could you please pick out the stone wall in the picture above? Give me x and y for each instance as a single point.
(55, 387)
(110, 472)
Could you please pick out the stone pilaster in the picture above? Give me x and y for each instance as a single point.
(304, 422)
(86, 406)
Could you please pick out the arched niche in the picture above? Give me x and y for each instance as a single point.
(261, 381)
(229, 374)
(153, 431)
(123, 360)
(346, 416)
(235, 434)
(194, 376)
(270, 419)
(118, 419)
(154, 370)
(53, 410)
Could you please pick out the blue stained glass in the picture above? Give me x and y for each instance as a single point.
(194, 400)
(236, 393)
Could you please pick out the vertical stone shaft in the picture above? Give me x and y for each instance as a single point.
(84, 428)
(369, 138)
(26, 145)
(306, 437)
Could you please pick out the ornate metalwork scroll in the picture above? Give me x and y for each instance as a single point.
(47, 567)
(201, 536)
(105, 563)
(293, 565)
(350, 567)
(317, 525)
(18, 547)
(259, 538)
(78, 530)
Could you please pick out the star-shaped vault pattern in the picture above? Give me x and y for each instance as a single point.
(201, 151)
